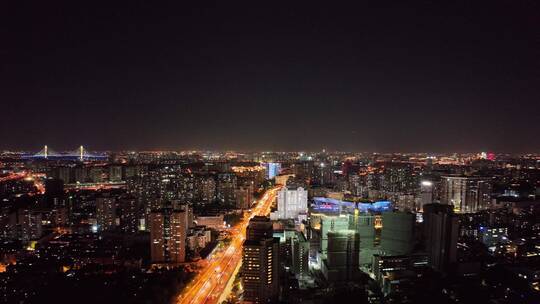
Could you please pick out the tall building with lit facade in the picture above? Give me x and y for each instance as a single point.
(30, 224)
(272, 169)
(168, 230)
(260, 262)
(291, 203)
(466, 193)
(294, 252)
(331, 223)
(426, 193)
(130, 214)
(441, 228)
(226, 188)
(106, 213)
(206, 187)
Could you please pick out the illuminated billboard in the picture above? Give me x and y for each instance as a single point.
(325, 204)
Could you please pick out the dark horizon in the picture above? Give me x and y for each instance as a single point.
(434, 77)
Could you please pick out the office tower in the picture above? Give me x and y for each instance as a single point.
(331, 223)
(168, 231)
(272, 170)
(364, 224)
(343, 256)
(106, 213)
(259, 227)
(291, 202)
(397, 236)
(226, 187)
(426, 193)
(440, 233)
(466, 193)
(260, 262)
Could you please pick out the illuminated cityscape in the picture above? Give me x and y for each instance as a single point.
(211, 227)
(221, 152)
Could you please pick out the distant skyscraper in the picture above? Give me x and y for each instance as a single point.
(291, 202)
(106, 213)
(260, 262)
(466, 193)
(168, 230)
(272, 169)
(441, 229)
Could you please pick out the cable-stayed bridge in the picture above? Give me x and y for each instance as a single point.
(80, 154)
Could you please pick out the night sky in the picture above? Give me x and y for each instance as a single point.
(271, 75)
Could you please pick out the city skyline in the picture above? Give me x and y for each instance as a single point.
(103, 152)
(231, 152)
(411, 77)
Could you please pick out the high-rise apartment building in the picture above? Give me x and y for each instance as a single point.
(226, 188)
(130, 214)
(106, 213)
(30, 224)
(291, 202)
(260, 262)
(168, 229)
(466, 193)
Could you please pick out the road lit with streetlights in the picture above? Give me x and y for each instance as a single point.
(211, 282)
